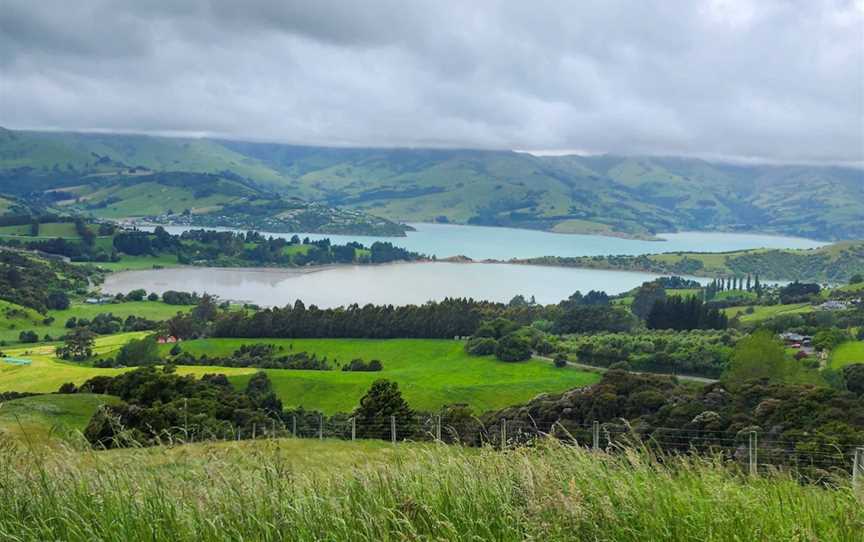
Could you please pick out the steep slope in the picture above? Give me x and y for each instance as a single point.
(167, 180)
(624, 195)
(63, 155)
(203, 199)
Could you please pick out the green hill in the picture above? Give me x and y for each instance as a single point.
(40, 417)
(835, 263)
(622, 195)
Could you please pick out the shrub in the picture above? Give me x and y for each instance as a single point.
(513, 347)
(57, 300)
(68, 387)
(360, 365)
(560, 361)
(481, 346)
(138, 352)
(136, 295)
(28, 337)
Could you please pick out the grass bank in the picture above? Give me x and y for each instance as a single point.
(302, 490)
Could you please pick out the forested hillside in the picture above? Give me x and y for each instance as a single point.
(619, 195)
(832, 263)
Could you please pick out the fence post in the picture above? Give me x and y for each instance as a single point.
(294, 426)
(503, 433)
(752, 453)
(595, 430)
(254, 431)
(321, 427)
(858, 468)
(186, 417)
(273, 432)
(393, 429)
(438, 428)
(353, 428)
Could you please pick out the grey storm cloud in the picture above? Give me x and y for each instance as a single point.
(773, 80)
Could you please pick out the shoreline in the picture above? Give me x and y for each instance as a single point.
(455, 260)
(648, 237)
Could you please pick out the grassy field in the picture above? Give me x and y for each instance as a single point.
(14, 319)
(47, 373)
(135, 263)
(430, 373)
(763, 312)
(847, 354)
(37, 419)
(48, 230)
(308, 490)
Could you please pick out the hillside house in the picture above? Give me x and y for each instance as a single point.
(833, 305)
(796, 340)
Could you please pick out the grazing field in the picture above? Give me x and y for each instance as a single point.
(47, 373)
(51, 230)
(37, 419)
(763, 312)
(375, 491)
(14, 319)
(430, 373)
(135, 263)
(847, 354)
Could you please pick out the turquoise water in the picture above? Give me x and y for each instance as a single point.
(479, 243)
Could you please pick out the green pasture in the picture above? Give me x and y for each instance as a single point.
(763, 312)
(36, 419)
(430, 373)
(847, 353)
(47, 373)
(14, 318)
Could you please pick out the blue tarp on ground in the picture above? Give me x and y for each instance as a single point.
(16, 361)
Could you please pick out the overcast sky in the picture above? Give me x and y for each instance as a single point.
(775, 80)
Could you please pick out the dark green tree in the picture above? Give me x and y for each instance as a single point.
(139, 352)
(57, 300)
(382, 401)
(78, 345)
(853, 375)
(647, 294)
(513, 347)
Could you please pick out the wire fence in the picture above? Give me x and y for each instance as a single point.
(814, 457)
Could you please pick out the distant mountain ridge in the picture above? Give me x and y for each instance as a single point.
(612, 195)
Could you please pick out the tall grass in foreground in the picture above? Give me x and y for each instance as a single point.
(299, 490)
